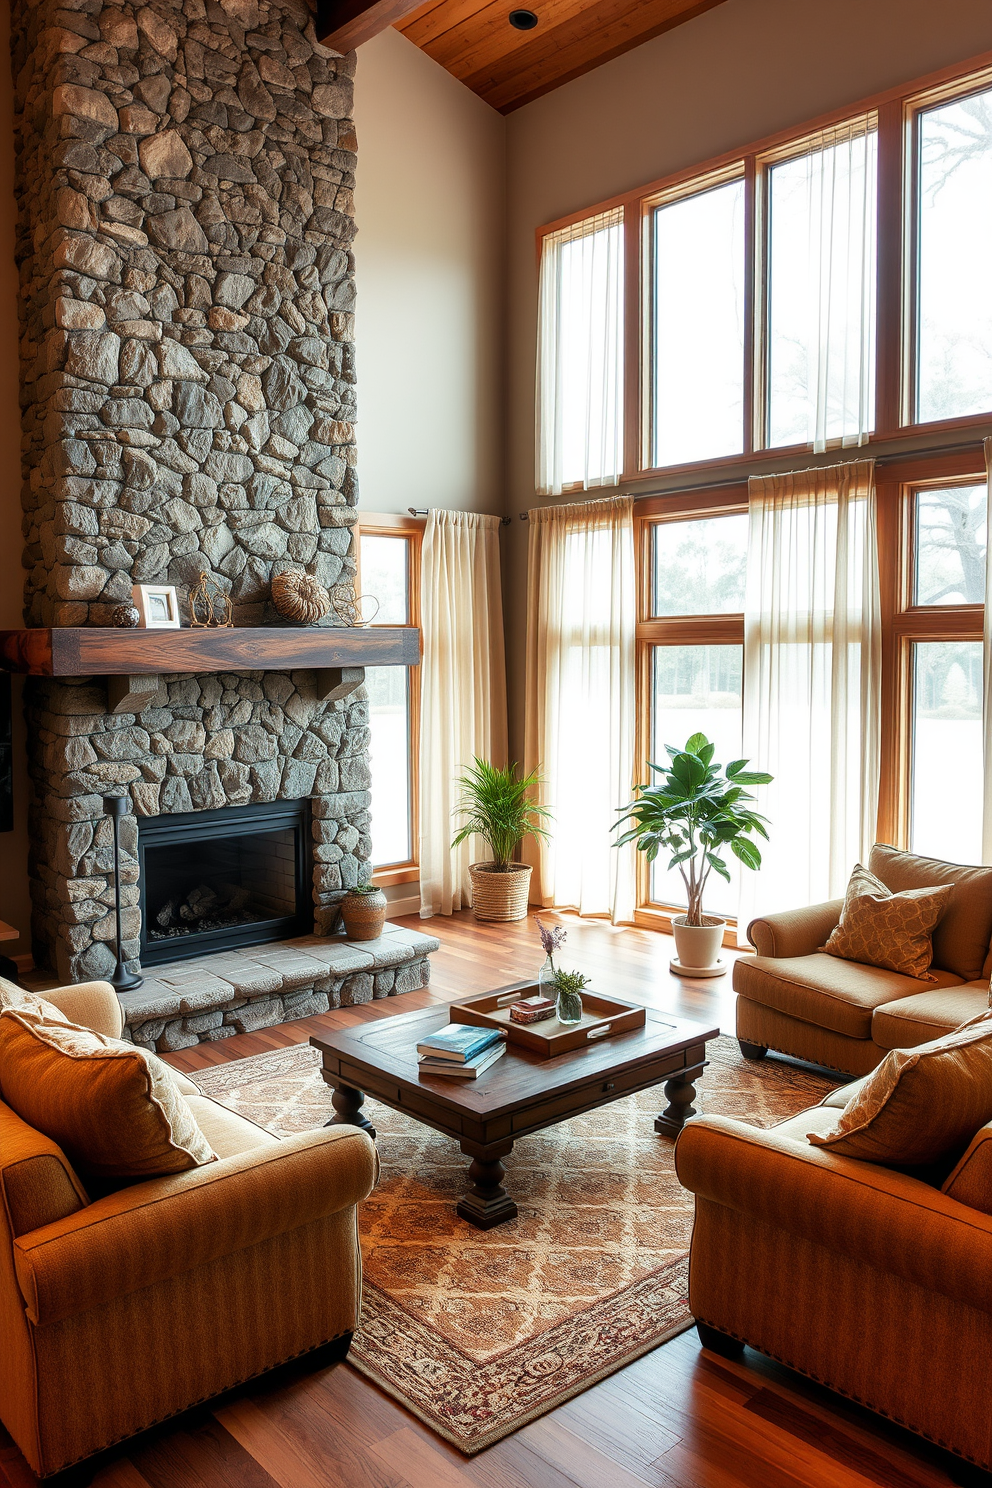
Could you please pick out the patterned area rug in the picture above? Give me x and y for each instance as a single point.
(479, 1332)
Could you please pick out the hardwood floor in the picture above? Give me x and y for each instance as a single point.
(676, 1418)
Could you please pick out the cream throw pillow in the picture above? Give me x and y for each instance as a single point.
(879, 928)
(921, 1104)
(113, 1111)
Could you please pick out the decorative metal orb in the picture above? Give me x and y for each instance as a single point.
(126, 617)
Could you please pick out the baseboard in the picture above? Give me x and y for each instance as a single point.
(409, 905)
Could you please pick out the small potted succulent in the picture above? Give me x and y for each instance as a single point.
(564, 986)
(363, 910)
(497, 806)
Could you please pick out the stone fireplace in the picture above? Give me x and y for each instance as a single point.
(185, 182)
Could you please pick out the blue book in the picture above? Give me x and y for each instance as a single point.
(459, 1041)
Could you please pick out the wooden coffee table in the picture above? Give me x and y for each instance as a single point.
(520, 1094)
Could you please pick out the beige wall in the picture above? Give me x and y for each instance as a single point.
(14, 900)
(736, 73)
(429, 257)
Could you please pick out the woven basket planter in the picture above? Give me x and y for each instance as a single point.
(500, 896)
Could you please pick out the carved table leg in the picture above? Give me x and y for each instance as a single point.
(348, 1103)
(487, 1203)
(681, 1093)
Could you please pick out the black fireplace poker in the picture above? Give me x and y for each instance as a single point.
(122, 980)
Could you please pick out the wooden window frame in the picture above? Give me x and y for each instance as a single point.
(896, 112)
(687, 630)
(905, 623)
(391, 524)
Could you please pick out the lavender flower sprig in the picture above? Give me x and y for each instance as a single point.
(552, 937)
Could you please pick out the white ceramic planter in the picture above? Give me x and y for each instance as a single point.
(698, 946)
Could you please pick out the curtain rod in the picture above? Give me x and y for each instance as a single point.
(425, 512)
(893, 459)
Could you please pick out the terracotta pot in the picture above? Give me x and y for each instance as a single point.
(698, 945)
(364, 915)
(500, 896)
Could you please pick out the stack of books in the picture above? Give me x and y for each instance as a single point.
(461, 1051)
(533, 1009)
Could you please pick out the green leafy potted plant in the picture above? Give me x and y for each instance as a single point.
(498, 805)
(696, 813)
(363, 910)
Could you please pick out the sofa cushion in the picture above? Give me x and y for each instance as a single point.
(824, 990)
(961, 939)
(920, 1104)
(112, 1111)
(879, 928)
(971, 1181)
(228, 1133)
(798, 1128)
(927, 1015)
(843, 1095)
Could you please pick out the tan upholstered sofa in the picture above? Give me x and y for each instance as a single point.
(120, 1312)
(795, 998)
(870, 1281)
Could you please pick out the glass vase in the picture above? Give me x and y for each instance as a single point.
(546, 980)
(569, 1006)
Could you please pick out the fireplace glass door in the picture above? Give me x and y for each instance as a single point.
(217, 880)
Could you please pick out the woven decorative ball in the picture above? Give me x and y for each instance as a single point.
(125, 617)
(299, 596)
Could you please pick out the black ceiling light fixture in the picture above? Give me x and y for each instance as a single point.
(523, 20)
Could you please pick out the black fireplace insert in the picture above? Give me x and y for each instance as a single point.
(216, 880)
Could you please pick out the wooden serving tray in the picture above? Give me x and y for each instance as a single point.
(601, 1018)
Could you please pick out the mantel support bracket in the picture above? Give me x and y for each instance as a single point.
(132, 693)
(338, 682)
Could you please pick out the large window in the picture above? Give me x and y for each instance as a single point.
(389, 576)
(699, 318)
(690, 638)
(932, 554)
(821, 208)
(822, 289)
(954, 145)
(946, 752)
(580, 375)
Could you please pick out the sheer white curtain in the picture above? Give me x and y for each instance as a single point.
(812, 671)
(823, 209)
(580, 356)
(579, 721)
(463, 690)
(987, 690)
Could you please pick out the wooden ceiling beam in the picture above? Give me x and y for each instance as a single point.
(343, 25)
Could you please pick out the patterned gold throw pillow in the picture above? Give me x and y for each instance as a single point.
(879, 928)
(920, 1105)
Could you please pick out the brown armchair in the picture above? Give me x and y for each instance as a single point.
(795, 998)
(867, 1280)
(171, 1290)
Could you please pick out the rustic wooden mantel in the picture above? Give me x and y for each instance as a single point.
(133, 661)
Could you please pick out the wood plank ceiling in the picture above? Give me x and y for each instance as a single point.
(474, 41)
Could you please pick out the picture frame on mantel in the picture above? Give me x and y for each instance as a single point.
(157, 605)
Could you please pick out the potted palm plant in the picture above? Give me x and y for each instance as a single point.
(497, 805)
(696, 813)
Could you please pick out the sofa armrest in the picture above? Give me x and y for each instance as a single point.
(895, 1223)
(795, 932)
(168, 1226)
(94, 1005)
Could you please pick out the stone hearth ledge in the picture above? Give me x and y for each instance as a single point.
(212, 997)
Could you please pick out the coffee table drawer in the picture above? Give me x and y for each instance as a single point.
(597, 1092)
